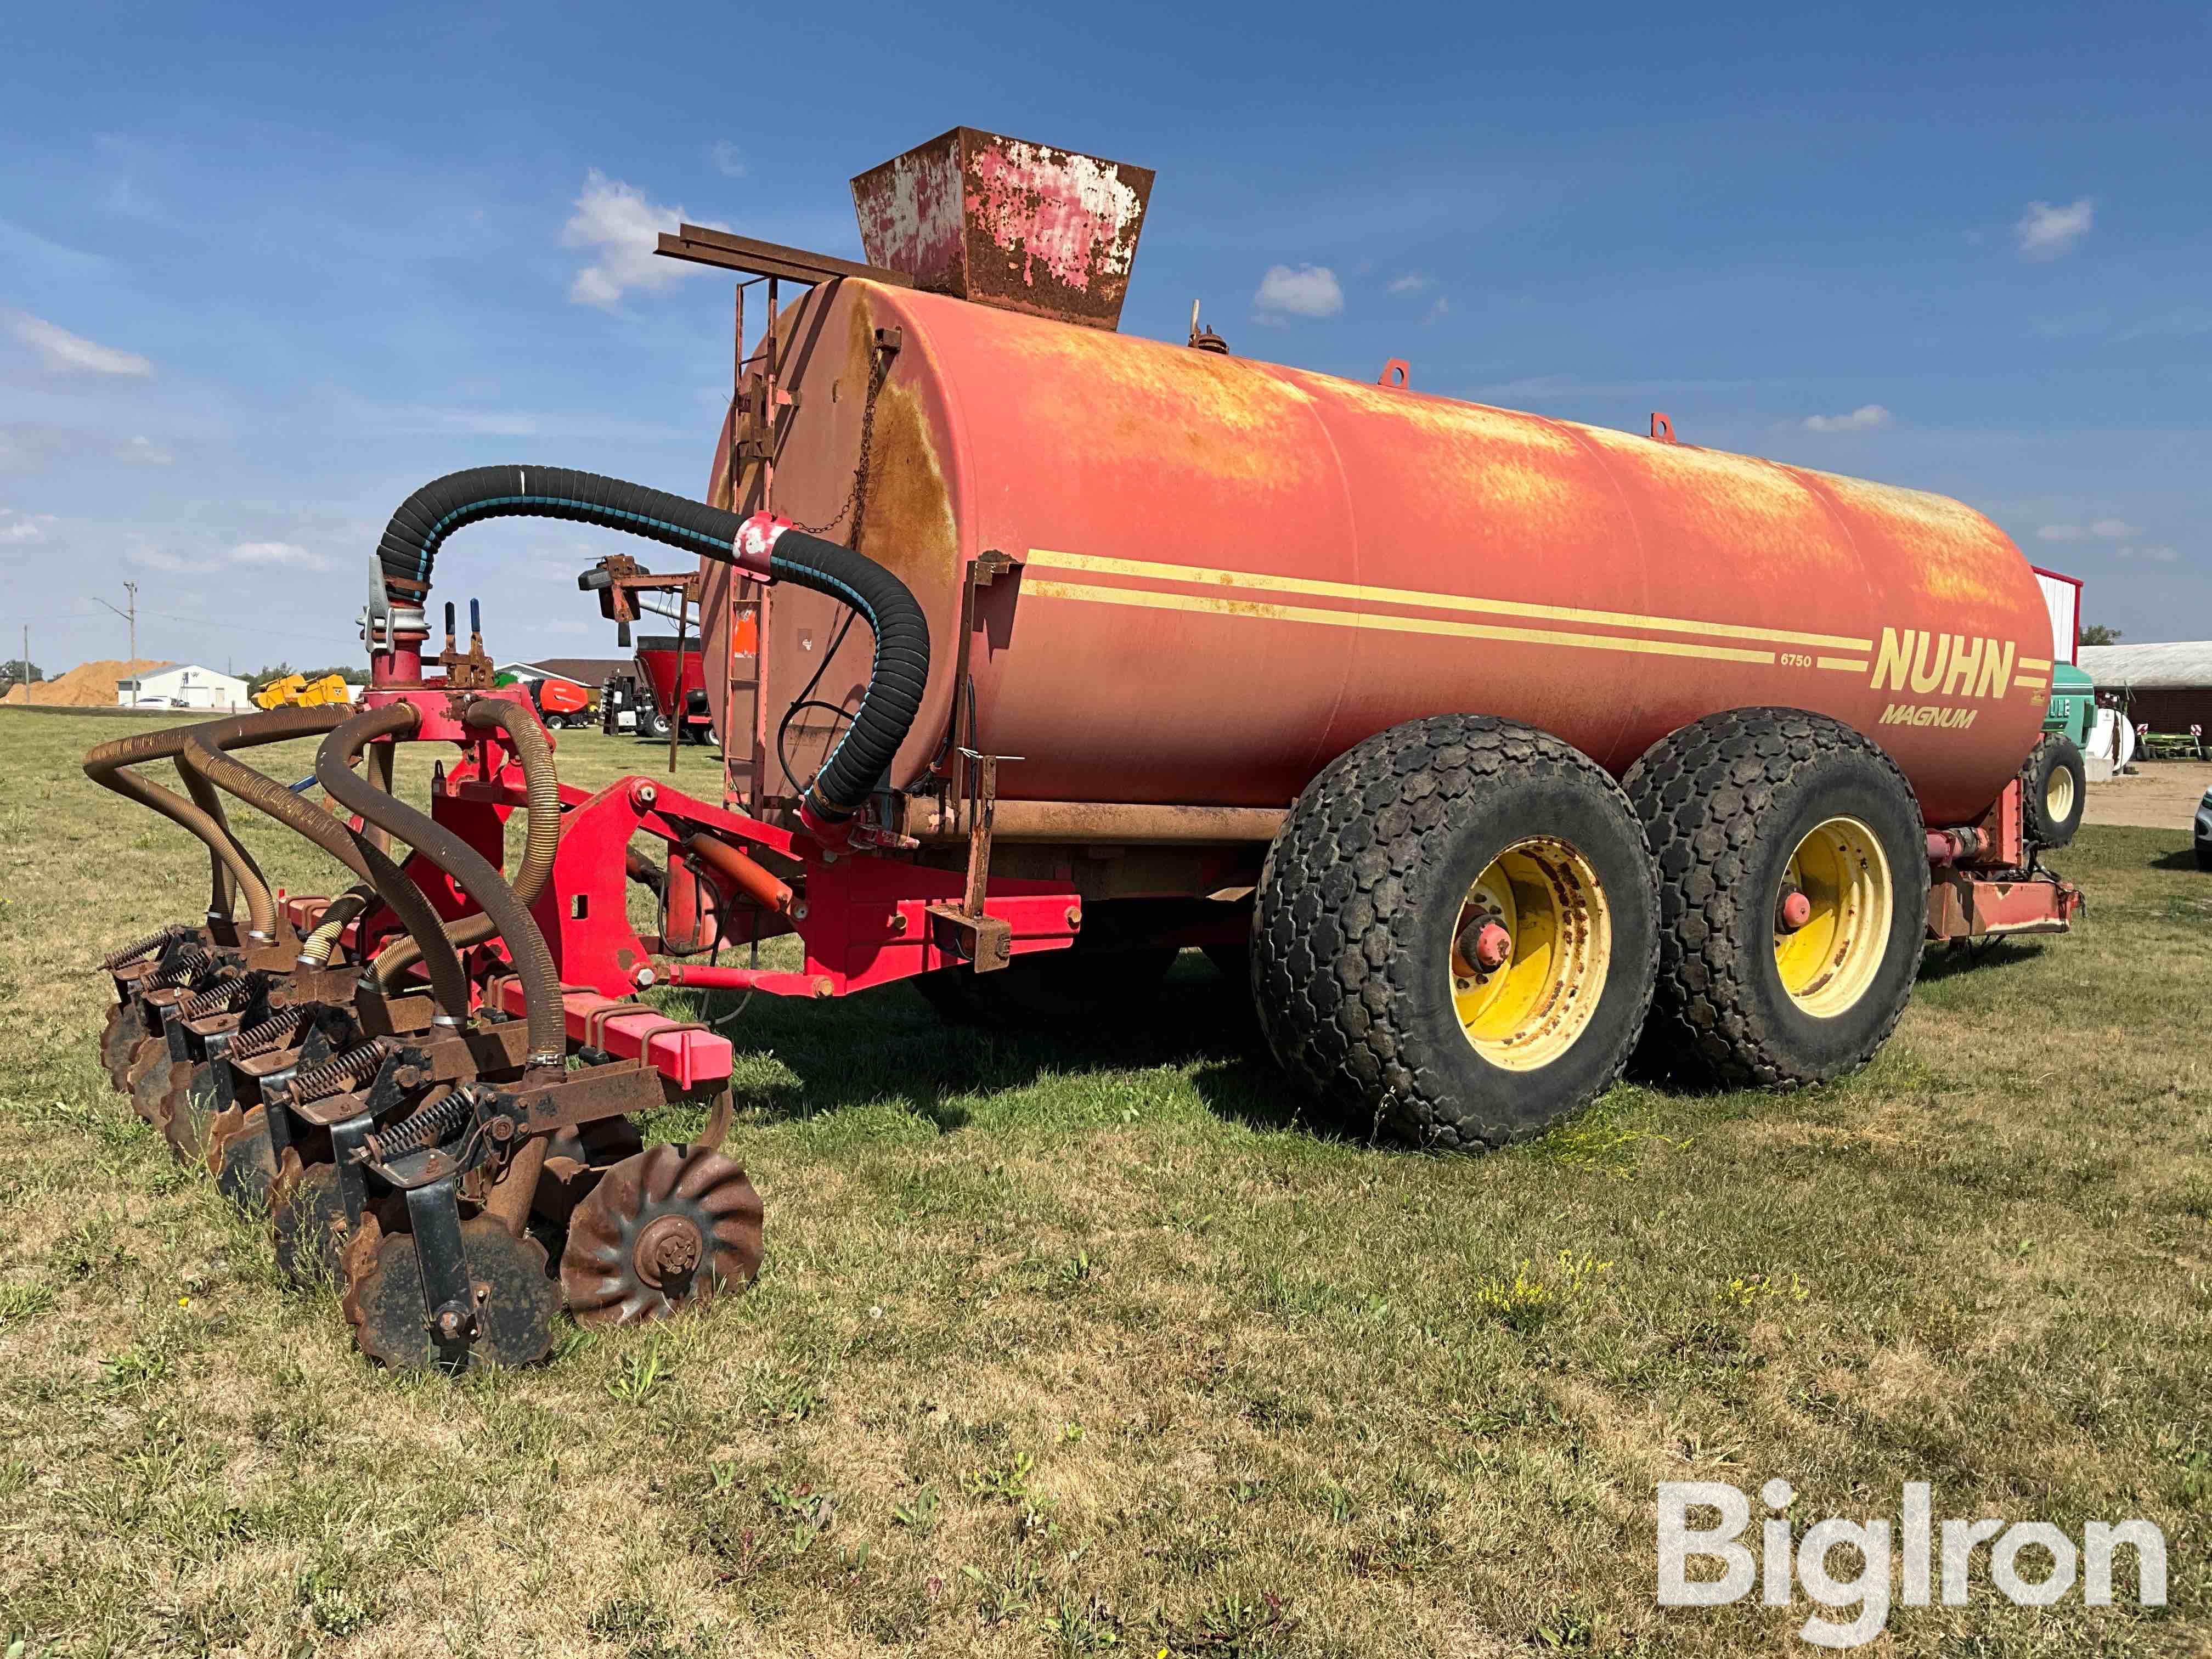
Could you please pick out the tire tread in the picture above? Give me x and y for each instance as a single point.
(1700, 794)
(1330, 973)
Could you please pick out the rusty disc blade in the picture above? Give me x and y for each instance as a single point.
(187, 1129)
(515, 1298)
(118, 1038)
(307, 1222)
(245, 1162)
(152, 1054)
(659, 1232)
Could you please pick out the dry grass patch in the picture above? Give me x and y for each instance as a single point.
(1082, 1344)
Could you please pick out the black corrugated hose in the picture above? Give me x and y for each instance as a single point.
(773, 549)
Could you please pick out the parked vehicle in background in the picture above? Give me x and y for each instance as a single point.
(298, 692)
(677, 693)
(619, 706)
(2204, 832)
(560, 702)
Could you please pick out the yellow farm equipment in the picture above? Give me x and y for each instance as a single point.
(298, 692)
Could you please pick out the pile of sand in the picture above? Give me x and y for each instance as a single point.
(87, 685)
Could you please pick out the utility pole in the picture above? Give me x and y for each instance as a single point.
(27, 662)
(129, 616)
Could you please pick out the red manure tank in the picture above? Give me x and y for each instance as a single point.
(1240, 636)
(1228, 572)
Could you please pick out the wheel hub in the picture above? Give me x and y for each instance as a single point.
(2058, 795)
(668, 1247)
(1794, 912)
(1840, 875)
(1530, 954)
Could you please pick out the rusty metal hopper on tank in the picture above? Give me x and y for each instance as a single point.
(1005, 223)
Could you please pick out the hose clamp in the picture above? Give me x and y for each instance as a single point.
(753, 546)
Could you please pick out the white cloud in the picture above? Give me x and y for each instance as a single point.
(2160, 555)
(1411, 282)
(726, 160)
(148, 557)
(278, 553)
(16, 527)
(1437, 312)
(66, 353)
(621, 228)
(1867, 417)
(146, 453)
(2046, 232)
(2106, 530)
(1309, 291)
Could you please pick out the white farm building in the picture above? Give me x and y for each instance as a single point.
(181, 685)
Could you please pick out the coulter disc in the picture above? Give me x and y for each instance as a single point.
(659, 1232)
(147, 1076)
(307, 1222)
(118, 1038)
(192, 1110)
(242, 1158)
(515, 1300)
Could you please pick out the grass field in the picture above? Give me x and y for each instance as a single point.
(1082, 1344)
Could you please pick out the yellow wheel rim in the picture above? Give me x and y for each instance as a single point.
(1536, 1003)
(1827, 964)
(2058, 794)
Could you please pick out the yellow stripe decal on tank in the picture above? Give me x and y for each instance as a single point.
(2035, 662)
(1151, 600)
(1204, 575)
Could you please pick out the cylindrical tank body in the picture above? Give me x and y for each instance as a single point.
(1229, 572)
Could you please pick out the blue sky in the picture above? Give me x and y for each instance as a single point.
(262, 272)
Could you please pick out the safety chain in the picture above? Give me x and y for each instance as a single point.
(856, 502)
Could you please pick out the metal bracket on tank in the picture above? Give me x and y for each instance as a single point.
(986, 941)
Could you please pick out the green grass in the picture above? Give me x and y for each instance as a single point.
(1082, 1344)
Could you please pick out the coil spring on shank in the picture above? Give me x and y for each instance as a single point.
(426, 1128)
(192, 962)
(227, 993)
(258, 1039)
(342, 1071)
(139, 947)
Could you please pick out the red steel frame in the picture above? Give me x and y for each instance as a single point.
(1996, 896)
(864, 922)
